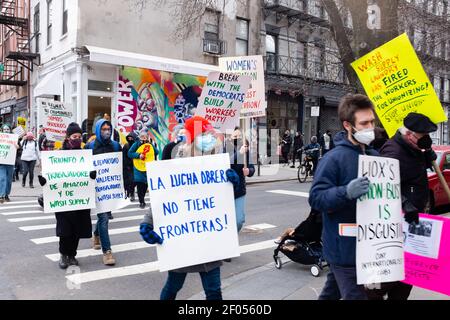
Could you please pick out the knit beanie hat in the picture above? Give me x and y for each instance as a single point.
(73, 128)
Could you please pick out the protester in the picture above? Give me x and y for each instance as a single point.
(140, 172)
(315, 152)
(205, 142)
(71, 226)
(381, 137)
(42, 137)
(115, 134)
(103, 144)
(178, 139)
(30, 154)
(411, 145)
(18, 165)
(6, 174)
(336, 187)
(326, 142)
(286, 143)
(237, 148)
(297, 152)
(128, 178)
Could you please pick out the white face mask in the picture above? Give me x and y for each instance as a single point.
(365, 136)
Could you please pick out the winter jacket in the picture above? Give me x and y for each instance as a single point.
(337, 168)
(99, 145)
(413, 170)
(73, 223)
(316, 147)
(30, 150)
(286, 143)
(298, 143)
(128, 175)
(139, 176)
(237, 164)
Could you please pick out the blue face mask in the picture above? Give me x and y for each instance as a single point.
(106, 135)
(181, 138)
(206, 143)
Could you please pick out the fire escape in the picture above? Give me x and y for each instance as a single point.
(16, 56)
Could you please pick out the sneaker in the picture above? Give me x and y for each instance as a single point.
(108, 259)
(7, 199)
(142, 205)
(73, 261)
(64, 262)
(96, 243)
(132, 198)
(292, 167)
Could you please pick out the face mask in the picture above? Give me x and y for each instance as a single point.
(75, 143)
(206, 143)
(6, 130)
(143, 141)
(425, 142)
(365, 136)
(181, 138)
(106, 135)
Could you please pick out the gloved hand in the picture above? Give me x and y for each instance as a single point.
(411, 212)
(93, 174)
(232, 177)
(42, 180)
(148, 235)
(430, 155)
(357, 187)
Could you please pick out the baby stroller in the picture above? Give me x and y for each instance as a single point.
(303, 244)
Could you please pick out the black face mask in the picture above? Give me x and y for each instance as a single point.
(425, 142)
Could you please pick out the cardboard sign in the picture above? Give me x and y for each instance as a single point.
(255, 100)
(109, 187)
(69, 186)
(193, 210)
(55, 116)
(149, 155)
(222, 98)
(19, 131)
(8, 148)
(427, 254)
(397, 84)
(379, 242)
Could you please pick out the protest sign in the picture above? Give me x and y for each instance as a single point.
(427, 253)
(149, 155)
(55, 116)
(69, 186)
(222, 98)
(19, 131)
(8, 148)
(397, 84)
(379, 245)
(193, 210)
(109, 187)
(255, 100)
(22, 122)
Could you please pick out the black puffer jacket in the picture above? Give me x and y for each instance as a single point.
(413, 170)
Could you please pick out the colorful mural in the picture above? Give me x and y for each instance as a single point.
(156, 101)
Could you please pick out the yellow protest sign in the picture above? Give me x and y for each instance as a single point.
(397, 84)
(22, 122)
(149, 154)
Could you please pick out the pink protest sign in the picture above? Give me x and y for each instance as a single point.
(427, 254)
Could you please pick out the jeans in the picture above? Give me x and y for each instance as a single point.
(142, 190)
(101, 229)
(68, 246)
(210, 281)
(6, 176)
(239, 205)
(341, 283)
(28, 167)
(297, 155)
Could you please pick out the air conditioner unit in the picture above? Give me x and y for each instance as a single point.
(213, 47)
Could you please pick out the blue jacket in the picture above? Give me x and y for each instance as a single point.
(139, 176)
(335, 170)
(99, 145)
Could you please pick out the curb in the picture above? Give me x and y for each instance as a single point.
(249, 182)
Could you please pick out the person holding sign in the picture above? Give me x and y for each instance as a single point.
(103, 144)
(411, 145)
(334, 192)
(141, 151)
(202, 141)
(30, 154)
(6, 171)
(71, 226)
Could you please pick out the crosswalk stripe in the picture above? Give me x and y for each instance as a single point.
(290, 193)
(20, 207)
(19, 202)
(111, 232)
(97, 275)
(260, 226)
(115, 249)
(51, 226)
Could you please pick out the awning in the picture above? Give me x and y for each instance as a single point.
(125, 58)
(50, 85)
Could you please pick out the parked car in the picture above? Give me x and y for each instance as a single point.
(438, 197)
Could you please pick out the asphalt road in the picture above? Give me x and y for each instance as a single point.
(29, 253)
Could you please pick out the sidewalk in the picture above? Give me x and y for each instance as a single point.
(274, 173)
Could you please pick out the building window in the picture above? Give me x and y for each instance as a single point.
(211, 32)
(49, 21)
(271, 52)
(36, 26)
(241, 37)
(95, 85)
(64, 17)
